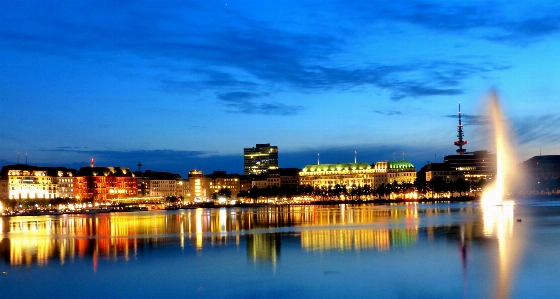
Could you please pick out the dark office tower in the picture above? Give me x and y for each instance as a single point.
(259, 159)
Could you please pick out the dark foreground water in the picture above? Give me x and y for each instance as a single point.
(460, 250)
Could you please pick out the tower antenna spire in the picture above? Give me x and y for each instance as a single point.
(460, 135)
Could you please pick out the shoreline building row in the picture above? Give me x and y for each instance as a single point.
(22, 181)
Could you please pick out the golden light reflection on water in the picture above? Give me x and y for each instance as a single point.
(499, 223)
(121, 236)
(358, 239)
(37, 239)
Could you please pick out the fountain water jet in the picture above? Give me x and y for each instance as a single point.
(498, 213)
(505, 173)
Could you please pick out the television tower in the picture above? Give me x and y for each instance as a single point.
(460, 135)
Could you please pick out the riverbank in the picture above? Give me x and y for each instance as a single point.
(211, 205)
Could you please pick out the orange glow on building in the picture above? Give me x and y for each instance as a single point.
(105, 183)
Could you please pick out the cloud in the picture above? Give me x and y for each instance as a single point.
(198, 47)
(471, 119)
(177, 161)
(196, 127)
(388, 112)
(483, 20)
(418, 156)
(532, 129)
(181, 162)
(537, 129)
(245, 103)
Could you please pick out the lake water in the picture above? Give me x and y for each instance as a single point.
(443, 250)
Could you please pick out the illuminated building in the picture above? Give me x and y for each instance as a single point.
(246, 181)
(66, 183)
(198, 190)
(468, 166)
(260, 159)
(105, 183)
(21, 181)
(357, 174)
(344, 174)
(281, 177)
(388, 172)
(154, 183)
(473, 166)
(285, 176)
(440, 171)
(220, 180)
(200, 187)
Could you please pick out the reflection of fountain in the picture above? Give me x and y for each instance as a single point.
(498, 214)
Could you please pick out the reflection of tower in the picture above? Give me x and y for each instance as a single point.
(263, 248)
(460, 135)
(464, 254)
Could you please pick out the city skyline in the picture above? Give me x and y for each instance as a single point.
(181, 86)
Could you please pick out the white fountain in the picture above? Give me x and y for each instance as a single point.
(497, 206)
(495, 194)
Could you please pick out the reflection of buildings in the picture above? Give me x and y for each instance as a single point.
(346, 239)
(260, 159)
(31, 239)
(263, 248)
(43, 239)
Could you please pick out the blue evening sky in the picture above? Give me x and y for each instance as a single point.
(188, 84)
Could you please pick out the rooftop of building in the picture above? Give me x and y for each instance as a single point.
(155, 175)
(544, 159)
(51, 171)
(105, 171)
(284, 171)
(402, 164)
(337, 167)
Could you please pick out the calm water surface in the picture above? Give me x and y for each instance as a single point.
(460, 250)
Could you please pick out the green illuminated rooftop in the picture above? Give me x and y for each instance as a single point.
(403, 164)
(337, 167)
